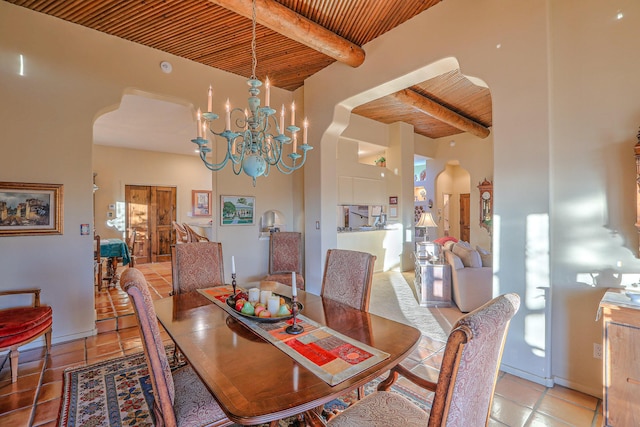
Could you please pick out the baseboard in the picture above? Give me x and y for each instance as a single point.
(595, 392)
(57, 340)
(547, 382)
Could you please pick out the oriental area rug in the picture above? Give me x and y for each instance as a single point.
(118, 392)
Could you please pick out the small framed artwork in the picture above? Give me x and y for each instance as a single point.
(30, 209)
(237, 210)
(393, 200)
(393, 212)
(201, 202)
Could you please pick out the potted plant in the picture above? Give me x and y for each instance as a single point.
(381, 161)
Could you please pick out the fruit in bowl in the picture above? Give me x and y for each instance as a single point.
(247, 308)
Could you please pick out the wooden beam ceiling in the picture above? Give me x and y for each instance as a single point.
(296, 27)
(440, 112)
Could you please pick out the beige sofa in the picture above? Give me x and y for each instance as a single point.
(471, 287)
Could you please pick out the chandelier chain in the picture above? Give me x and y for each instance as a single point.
(254, 59)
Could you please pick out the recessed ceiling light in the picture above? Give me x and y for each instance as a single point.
(166, 67)
(620, 15)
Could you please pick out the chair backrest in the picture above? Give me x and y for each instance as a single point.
(182, 236)
(347, 277)
(285, 252)
(193, 235)
(471, 363)
(134, 283)
(196, 265)
(131, 244)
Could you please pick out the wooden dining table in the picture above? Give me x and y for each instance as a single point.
(254, 381)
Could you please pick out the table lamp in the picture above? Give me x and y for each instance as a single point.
(432, 248)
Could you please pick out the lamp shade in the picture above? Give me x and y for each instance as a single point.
(426, 220)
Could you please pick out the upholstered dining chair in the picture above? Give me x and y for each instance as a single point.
(182, 236)
(131, 244)
(347, 277)
(285, 257)
(21, 325)
(193, 235)
(466, 382)
(180, 398)
(196, 265)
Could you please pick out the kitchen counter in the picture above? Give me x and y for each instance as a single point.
(364, 229)
(385, 244)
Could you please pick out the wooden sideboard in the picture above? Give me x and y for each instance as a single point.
(621, 335)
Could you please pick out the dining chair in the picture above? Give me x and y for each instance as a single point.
(193, 235)
(180, 397)
(463, 394)
(21, 325)
(347, 277)
(131, 244)
(285, 257)
(196, 265)
(182, 236)
(97, 262)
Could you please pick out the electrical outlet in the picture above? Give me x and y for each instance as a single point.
(597, 350)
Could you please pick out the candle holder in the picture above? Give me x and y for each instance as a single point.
(233, 283)
(295, 328)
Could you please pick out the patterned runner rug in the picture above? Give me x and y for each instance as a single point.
(118, 393)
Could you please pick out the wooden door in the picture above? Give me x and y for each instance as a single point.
(465, 217)
(163, 206)
(150, 211)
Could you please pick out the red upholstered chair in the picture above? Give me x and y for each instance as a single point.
(285, 257)
(196, 265)
(466, 382)
(180, 398)
(21, 325)
(347, 277)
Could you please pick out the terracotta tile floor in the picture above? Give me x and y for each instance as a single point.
(34, 400)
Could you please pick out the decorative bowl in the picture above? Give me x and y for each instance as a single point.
(231, 302)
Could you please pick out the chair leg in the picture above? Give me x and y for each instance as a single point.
(360, 392)
(47, 340)
(13, 355)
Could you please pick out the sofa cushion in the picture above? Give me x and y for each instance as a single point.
(445, 239)
(453, 260)
(485, 257)
(448, 244)
(470, 257)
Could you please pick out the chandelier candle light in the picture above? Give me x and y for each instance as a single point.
(259, 140)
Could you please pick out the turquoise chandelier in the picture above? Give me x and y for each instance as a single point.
(258, 140)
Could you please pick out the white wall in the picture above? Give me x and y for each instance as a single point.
(517, 76)
(563, 79)
(72, 74)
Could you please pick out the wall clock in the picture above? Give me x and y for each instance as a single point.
(486, 204)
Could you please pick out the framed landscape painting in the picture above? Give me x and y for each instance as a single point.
(237, 210)
(30, 209)
(201, 202)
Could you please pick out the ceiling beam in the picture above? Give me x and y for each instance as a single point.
(440, 112)
(285, 21)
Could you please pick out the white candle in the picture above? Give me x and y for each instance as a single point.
(273, 305)
(254, 294)
(198, 125)
(246, 119)
(267, 93)
(295, 142)
(204, 130)
(304, 132)
(210, 99)
(294, 287)
(233, 265)
(227, 121)
(264, 296)
(293, 113)
(282, 120)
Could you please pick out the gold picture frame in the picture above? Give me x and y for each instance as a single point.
(201, 202)
(30, 209)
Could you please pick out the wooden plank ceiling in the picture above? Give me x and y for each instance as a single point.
(315, 34)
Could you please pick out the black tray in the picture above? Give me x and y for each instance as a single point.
(231, 302)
